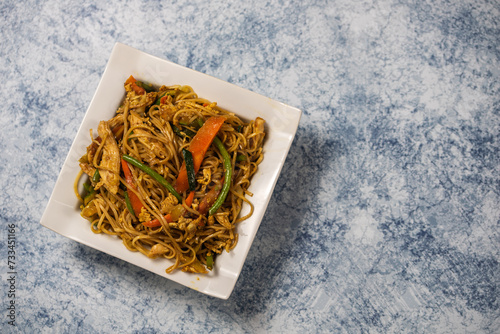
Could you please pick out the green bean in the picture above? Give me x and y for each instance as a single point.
(129, 205)
(158, 100)
(227, 177)
(147, 86)
(160, 179)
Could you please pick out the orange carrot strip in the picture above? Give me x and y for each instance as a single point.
(156, 222)
(134, 200)
(137, 89)
(198, 148)
(189, 199)
(130, 80)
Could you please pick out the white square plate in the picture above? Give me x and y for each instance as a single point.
(62, 213)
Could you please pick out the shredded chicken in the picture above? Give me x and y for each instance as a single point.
(110, 160)
(223, 220)
(258, 128)
(87, 168)
(154, 146)
(157, 250)
(116, 121)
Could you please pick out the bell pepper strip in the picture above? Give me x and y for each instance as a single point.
(163, 99)
(133, 198)
(156, 222)
(190, 198)
(228, 173)
(209, 199)
(198, 147)
(137, 89)
(188, 160)
(130, 80)
(158, 99)
(133, 84)
(148, 170)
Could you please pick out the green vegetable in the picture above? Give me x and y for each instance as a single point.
(96, 177)
(188, 159)
(197, 123)
(157, 102)
(88, 188)
(241, 157)
(129, 205)
(177, 131)
(160, 179)
(171, 92)
(183, 132)
(90, 193)
(227, 177)
(147, 86)
(210, 261)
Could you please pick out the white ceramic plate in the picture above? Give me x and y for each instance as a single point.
(62, 213)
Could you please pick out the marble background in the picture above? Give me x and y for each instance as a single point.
(385, 218)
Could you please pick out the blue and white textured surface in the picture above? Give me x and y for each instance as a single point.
(385, 218)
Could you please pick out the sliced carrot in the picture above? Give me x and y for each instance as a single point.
(156, 222)
(134, 200)
(137, 89)
(130, 80)
(198, 148)
(189, 199)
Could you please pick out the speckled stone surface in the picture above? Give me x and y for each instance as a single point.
(385, 218)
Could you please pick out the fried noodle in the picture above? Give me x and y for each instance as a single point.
(153, 126)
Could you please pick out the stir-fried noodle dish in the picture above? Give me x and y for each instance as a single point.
(169, 173)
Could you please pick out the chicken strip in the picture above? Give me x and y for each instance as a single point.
(154, 146)
(110, 160)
